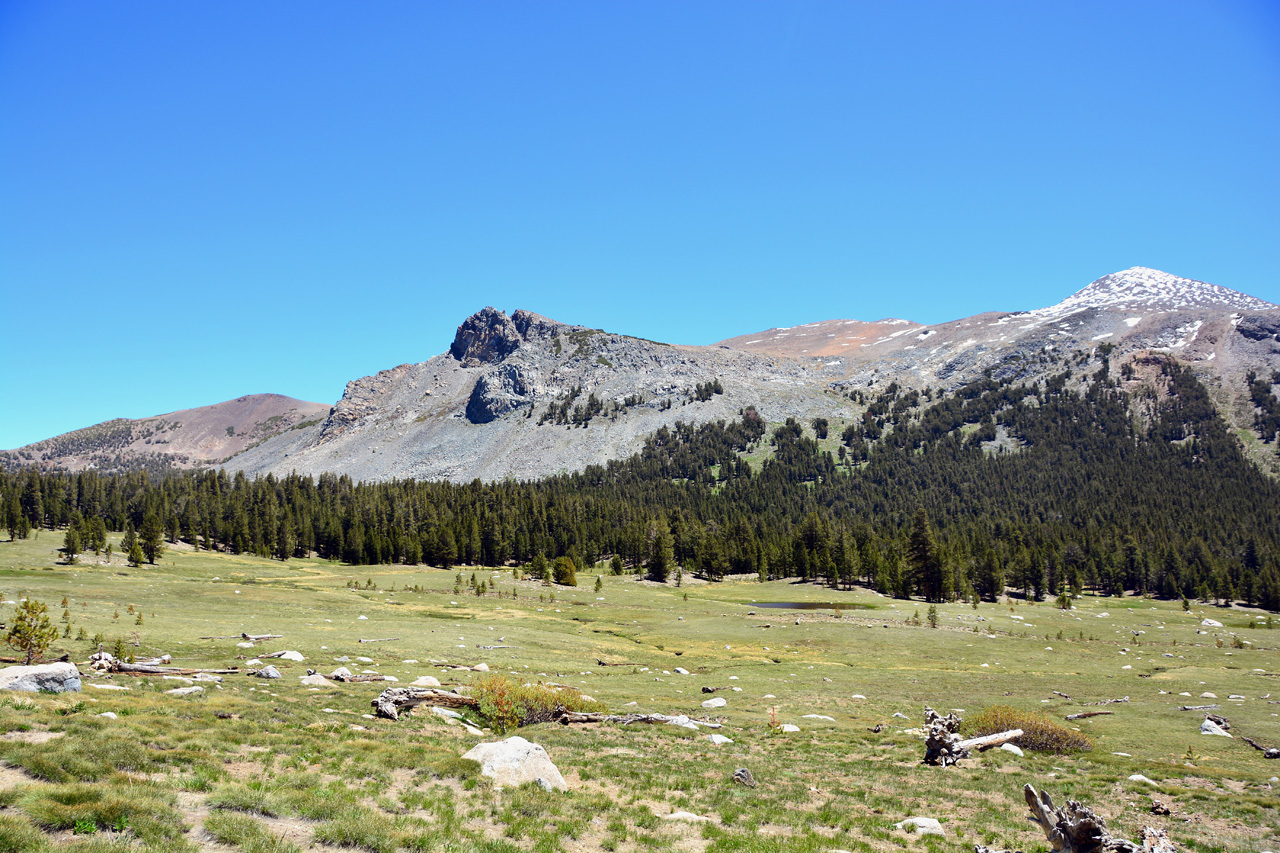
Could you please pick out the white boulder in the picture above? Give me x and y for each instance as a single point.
(316, 680)
(50, 677)
(717, 702)
(426, 681)
(922, 825)
(1210, 623)
(294, 656)
(185, 691)
(514, 761)
(718, 739)
(1011, 747)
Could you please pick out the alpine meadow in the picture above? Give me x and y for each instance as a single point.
(560, 427)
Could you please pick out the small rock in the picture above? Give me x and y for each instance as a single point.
(857, 696)
(481, 667)
(360, 618)
(686, 817)
(253, 662)
(743, 777)
(819, 717)
(717, 702)
(268, 672)
(681, 671)
(106, 686)
(1210, 623)
(340, 672)
(110, 715)
(291, 655)
(244, 645)
(1207, 695)
(922, 825)
(185, 691)
(787, 727)
(718, 739)
(1138, 777)
(1010, 747)
(900, 714)
(448, 713)
(426, 681)
(314, 681)
(365, 660)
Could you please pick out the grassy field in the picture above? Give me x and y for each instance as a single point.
(257, 765)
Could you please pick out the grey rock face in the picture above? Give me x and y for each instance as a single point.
(504, 390)
(486, 337)
(52, 677)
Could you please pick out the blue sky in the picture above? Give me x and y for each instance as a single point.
(205, 200)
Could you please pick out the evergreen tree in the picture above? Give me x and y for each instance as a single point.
(30, 630)
(152, 537)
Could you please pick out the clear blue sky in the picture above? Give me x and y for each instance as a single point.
(205, 200)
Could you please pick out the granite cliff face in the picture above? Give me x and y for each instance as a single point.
(524, 396)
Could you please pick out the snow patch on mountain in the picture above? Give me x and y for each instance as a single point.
(1141, 287)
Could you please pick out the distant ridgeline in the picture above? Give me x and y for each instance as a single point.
(1065, 485)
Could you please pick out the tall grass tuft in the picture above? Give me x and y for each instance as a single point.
(1039, 733)
(507, 704)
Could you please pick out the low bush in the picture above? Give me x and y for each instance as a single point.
(1039, 733)
(507, 704)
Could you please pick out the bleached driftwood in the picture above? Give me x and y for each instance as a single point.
(607, 663)
(1196, 707)
(943, 744)
(142, 669)
(1076, 829)
(1082, 715)
(1107, 701)
(253, 638)
(357, 679)
(567, 717)
(379, 640)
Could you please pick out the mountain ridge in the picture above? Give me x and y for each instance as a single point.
(523, 396)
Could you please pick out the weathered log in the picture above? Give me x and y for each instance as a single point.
(491, 648)
(1076, 829)
(1267, 751)
(393, 700)
(358, 679)
(606, 663)
(143, 669)
(1084, 714)
(1107, 702)
(568, 717)
(1063, 695)
(379, 640)
(1196, 707)
(942, 741)
(253, 638)
(988, 741)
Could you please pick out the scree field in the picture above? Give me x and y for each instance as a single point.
(275, 765)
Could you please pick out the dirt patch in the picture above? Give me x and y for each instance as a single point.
(12, 777)
(31, 737)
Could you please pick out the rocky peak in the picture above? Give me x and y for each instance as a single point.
(1145, 288)
(486, 337)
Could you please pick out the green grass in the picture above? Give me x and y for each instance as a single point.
(250, 754)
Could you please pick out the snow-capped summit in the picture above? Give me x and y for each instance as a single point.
(1144, 288)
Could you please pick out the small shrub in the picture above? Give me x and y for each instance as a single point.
(1039, 733)
(19, 836)
(507, 704)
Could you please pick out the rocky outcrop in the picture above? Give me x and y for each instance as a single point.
(503, 390)
(1260, 327)
(48, 677)
(486, 337)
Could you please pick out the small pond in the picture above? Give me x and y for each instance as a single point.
(812, 605)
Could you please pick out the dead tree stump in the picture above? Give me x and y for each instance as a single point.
(1074, 828)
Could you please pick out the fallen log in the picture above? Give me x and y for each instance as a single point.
(379, 640)
(943, 745)
(1084, 714)
(143, 669)
(253, 638)
(1076, 829)
(393, 700)
(568, 717)
(357, 679)
(607, 663)
(1063, 695)
(988, 741)
(1107, 702)
(490, 648)
(1196, 707)
(1267, 751)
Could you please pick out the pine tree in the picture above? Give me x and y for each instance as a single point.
(31, 631)
(152, 537)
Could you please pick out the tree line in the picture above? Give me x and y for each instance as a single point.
(1058, 486)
